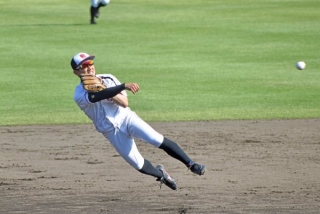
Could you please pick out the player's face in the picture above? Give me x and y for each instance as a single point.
(86, 67)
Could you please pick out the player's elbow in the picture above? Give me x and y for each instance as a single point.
(125, 105)
(121, 100)
(122, 103)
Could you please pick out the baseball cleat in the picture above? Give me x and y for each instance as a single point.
(197, 168)
(166, 179)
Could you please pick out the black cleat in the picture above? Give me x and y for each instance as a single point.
(93, 22)
(197, 168)
(166, 179)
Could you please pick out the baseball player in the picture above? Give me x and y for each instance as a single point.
(94, 9)
(103, 98)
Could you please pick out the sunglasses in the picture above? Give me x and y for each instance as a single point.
(86, 64)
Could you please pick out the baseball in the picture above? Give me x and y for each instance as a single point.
(301, 65)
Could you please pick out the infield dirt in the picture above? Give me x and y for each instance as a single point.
(252, 167)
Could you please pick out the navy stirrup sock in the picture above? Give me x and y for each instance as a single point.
(148, 169)
(174, 150)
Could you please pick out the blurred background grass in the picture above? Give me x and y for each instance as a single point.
(194, 60)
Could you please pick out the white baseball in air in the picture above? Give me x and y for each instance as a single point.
(301, 65)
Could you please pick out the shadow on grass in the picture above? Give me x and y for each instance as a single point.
(42, 25)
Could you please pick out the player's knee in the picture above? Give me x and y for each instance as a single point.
(105, 2)
(165, 143)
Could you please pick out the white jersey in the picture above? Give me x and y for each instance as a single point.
(105, 114)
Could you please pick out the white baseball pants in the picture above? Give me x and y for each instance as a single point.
(122, 139)
(95, 3)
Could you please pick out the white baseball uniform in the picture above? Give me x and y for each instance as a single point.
(119, 125)
(95, 3)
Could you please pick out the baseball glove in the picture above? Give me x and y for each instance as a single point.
(92, 83)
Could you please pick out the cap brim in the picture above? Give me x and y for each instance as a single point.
(86, 59)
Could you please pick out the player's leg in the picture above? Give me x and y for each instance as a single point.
(128, 150)
(173, 149)
(126, 147)
(139, 129)
(93, 10)
(101, 4)
(143, 131)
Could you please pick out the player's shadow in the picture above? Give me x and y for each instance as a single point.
(43, 25)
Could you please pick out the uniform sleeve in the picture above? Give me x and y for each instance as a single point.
(81, 97)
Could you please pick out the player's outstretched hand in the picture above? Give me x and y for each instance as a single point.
(133, 87)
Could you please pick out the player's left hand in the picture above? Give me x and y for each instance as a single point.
(92, 83)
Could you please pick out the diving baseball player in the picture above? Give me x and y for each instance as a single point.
(104, 100)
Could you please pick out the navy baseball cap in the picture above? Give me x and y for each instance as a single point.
(79, 58)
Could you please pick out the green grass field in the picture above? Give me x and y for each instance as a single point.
(194, 60)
